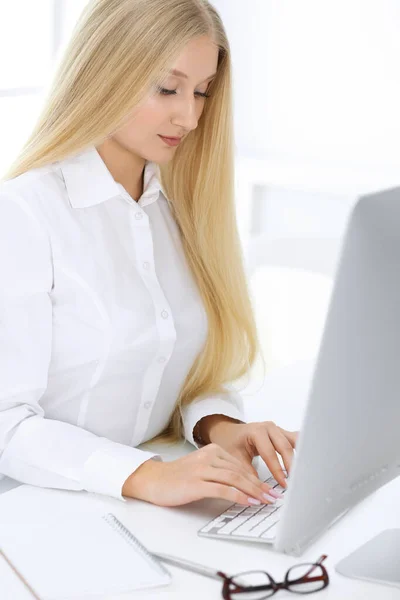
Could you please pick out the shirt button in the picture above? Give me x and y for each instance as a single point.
(138, 215)
(147, 404)
(146, 265)
(164, 314)
(162, 359)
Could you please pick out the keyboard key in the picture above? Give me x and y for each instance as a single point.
(257, 531)
(216, 523)
(269, 480)
(271, 532)
(251, 524)
(258, 525)
(233, 524)
(258, 521)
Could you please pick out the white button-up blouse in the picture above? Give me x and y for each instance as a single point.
(100, 322)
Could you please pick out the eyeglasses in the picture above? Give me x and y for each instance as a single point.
(257, 585)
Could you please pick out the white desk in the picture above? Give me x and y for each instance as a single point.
(174, 530)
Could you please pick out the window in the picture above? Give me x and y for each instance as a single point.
(31, 34)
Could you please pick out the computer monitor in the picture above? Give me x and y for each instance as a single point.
(349, 441)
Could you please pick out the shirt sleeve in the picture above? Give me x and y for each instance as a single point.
(229, 403)
(34, 449)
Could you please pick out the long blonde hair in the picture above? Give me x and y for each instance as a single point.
(118, 51)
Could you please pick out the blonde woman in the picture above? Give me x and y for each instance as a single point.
(124, 310)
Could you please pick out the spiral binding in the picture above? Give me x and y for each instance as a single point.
(116, 524)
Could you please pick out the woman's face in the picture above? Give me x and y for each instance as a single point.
(172, 114)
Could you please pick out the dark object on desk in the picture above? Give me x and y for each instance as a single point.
(257, 585)
(378, 560)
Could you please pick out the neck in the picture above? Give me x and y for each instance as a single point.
(125, 167)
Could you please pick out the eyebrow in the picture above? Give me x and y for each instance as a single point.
(180, 74)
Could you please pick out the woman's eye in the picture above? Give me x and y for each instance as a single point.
(166, 92)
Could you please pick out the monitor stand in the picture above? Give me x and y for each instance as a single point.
(378, 560)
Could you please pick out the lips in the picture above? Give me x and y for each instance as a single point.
(170, 141)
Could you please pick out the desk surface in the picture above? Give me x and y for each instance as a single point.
(174, 530)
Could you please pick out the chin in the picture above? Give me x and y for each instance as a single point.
(162, 159)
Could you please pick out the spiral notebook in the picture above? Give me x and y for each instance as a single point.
(78, 557)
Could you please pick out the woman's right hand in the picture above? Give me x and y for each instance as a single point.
(209, 472)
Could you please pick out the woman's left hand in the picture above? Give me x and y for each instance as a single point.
(247, 440)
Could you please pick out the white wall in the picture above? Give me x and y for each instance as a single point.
(316, 78)
(317, 96)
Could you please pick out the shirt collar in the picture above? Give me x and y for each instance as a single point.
(89, 182)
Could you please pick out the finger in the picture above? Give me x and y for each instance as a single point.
(292, 436)
(245, 460)
(224, 454)
(283, 446)
(266, 450)
(224, 464)
(240, 462)
(278, 437)
(239, 481)
(210, 489)
(247, 465)
(253, 471)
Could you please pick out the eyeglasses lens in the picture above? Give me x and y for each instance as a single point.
(250, 586)
(309, 572)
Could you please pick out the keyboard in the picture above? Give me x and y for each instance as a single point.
(254, 523)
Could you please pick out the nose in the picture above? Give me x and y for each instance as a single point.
(185, 115)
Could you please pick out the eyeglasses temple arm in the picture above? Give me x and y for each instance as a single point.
(187, 564)
(316, 564)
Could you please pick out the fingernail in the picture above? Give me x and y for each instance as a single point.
(254, 501)
(275, 494)
(269, 498)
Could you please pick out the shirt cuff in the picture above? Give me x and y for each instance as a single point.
(107, 469)
(229, 404)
